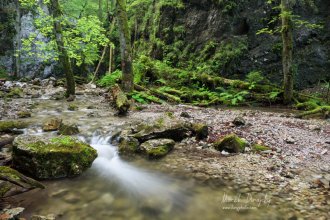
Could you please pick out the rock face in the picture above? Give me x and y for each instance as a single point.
(157, 148)
(231, 144)
(49, 158)
(12, 182)
(163, 127)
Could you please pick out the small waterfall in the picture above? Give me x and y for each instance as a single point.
(134, 180)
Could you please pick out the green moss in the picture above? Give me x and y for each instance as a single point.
(201, 131)
(15, 93)
(160, 151)
(230, 143)
(307, 106)
(72, 107)
(7, 126)
(258, 147)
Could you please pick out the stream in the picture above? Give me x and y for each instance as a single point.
(114, 188)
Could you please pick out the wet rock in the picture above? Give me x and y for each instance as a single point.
(24, 114)
(49, 158)
(15, 93)
(41, 217)
(68, 129)
(185, 115)
(10, 126)
(59, 95)
(239, 121)
(128, 145)
(230, 143)
(11, 214)
(163, 127)
(12, 182)
(36, 81)
(157, 148)
(289, 140)
(52, 124)
(200, 130)
(72, 107)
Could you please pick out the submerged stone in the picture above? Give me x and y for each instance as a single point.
(12, 182)
(231, 144)
(157, 148)
(49, 158)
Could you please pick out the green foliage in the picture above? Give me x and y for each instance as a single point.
(233, 98)
(254, 78)
(110, 79)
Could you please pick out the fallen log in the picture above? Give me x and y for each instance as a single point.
(323, 111)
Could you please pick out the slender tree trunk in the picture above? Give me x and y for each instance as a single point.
(100, 14)
(125, 47)
(18, 41)
(287, 57)
(63, 55)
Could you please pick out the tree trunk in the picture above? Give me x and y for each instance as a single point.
(18, 41)
(100, 14)
(287, 57)
(64, 59)
(125, 47)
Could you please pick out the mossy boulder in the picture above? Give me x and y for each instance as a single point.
(162, 127)
(49, 158)
(128, 146)
(157, 148)
(15, 93)
(9, 126)
(52, 124)
(200, 130)
(259, 147)
(24, 114)
(68, 129)
(230, 143)
(12, 182)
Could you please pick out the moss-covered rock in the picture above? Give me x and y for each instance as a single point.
(52, 124)
(68, 129)
(200, 130)
(72, 107)
(128, 146)
(12, 182)
(8, 126)
(239, 121)
(230, 143)
(307, 106)
(24, 114)
(49, 158)
(15, 93)
(120, 100)
(162, 127)
(157, 148)
(258, 148)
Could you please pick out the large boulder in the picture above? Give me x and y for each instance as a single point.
(163, 127)
(49, 158)
(231, 144)
(12, 182)
(157, 148)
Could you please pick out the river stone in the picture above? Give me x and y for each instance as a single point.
(50, 158)
(163, 127)
(12, 182)
(128, 145)
(68, 129)
(231, 144)
(52, 124)
(239, 121)
(157, 148)
(200, 130)
(11, 214)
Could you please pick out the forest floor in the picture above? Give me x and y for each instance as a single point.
(296, 169)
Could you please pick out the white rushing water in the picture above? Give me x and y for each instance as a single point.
(134, 180)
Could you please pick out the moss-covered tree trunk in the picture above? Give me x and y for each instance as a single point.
(64, 59)
(125, 47)
(287, 57)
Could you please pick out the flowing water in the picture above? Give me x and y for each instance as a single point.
(116, 189)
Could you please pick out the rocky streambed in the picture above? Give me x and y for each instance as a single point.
(288, 179)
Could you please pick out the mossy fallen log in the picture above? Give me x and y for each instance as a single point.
(321, 111)
(158, 93)
(119, 100)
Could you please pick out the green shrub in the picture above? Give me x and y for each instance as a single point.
(110, 79)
